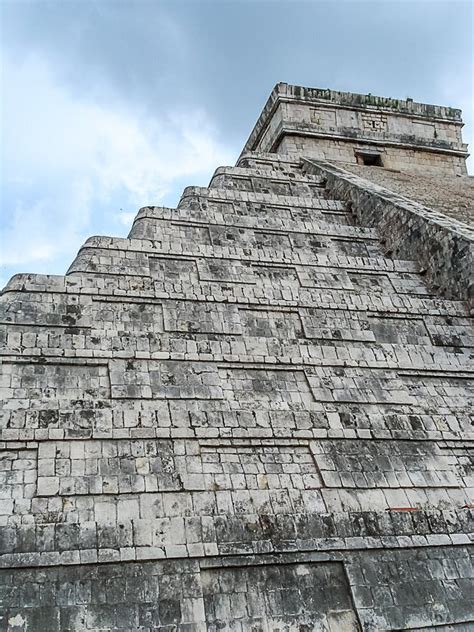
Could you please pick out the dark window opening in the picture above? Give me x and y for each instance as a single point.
(369, 159)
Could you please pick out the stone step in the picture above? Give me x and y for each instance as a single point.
(53, 419)
(234, 382)
(260, 181)
(195, 270)
(314, 241)
(86, 315)
(273, 162)
(139, 530)
(144, 288)
(84, 343)
(270, 199)
(215, 216)
(134, 253)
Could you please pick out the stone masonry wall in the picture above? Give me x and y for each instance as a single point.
(412, 160)
(331, 125)
(245, 416)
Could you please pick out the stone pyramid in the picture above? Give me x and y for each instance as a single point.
(253, 413)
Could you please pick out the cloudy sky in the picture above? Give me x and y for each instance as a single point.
(109, 105)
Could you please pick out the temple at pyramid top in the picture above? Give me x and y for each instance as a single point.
(363, 129)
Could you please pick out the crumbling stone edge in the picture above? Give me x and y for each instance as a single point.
(442, 246)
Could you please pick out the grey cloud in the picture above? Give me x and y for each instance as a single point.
(226, 56)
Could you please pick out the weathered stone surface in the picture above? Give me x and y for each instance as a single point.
(443, 247)
(255, 412)
(330, 125)
(452, 196)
